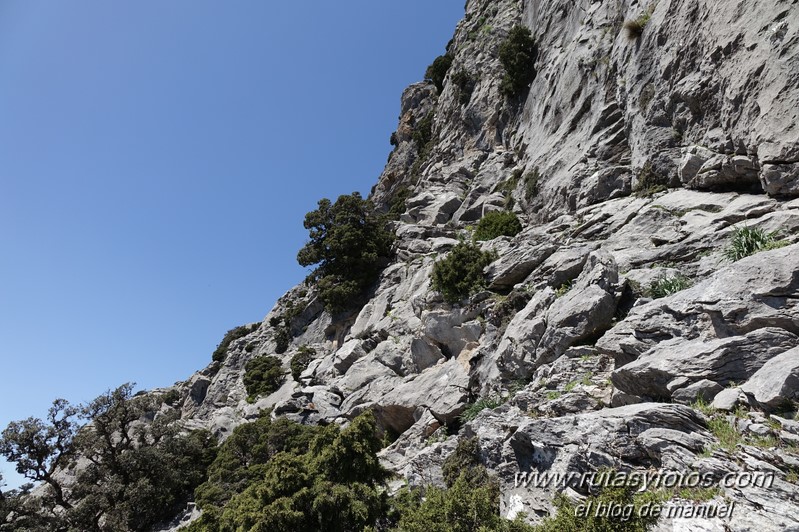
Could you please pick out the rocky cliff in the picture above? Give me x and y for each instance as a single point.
(633, 159)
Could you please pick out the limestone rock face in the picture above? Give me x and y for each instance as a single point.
(631, 164)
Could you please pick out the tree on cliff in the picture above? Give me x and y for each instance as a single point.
(350, 243)
(131, 474)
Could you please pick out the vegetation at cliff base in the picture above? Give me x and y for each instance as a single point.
(279, 475)
(497, 223)
(124, 475)
(518, 54)
(350, 243)
(460, 273)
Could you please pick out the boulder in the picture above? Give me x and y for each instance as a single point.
(776, 383)
(675, 364)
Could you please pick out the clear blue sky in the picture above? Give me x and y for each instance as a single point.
(156, 161)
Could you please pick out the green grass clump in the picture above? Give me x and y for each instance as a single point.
(666, 286)
(460, 273)
(747, 241)
(478, 406)
(563, 289)
(497, 223)
(725, 432)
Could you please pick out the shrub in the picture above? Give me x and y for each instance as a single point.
(497, 223)
(518, 54)
(397, 204)
(460, 273)
(531, 184)
(437, 71)
(470, 504)
(282, 339)
(568, 519)
(231, 336)
(262, 376)
(423, 134)
(636, 26)
(465, 83)
(300, 361)
(350, 243)
(333, 482)
(665, 286)
(650, 182)
(747, 241)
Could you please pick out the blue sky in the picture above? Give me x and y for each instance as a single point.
(156, 161)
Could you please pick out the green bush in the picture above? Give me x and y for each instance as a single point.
(460, 273)
(350, 244)
(131, 474)
(262, 376)
(665, 286)
(331, 482)
(650, 182)
(300, 361)
(747, 241)
(469, 504)
(231, 336)
(531, 184)
(423, 134)
(518, 54)
(397, 204)
(568, 519)
(497, 223)
(437, 71)
(466, 85)
(635, 27)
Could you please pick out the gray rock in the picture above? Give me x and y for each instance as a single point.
(705, 389)
(777, 382)
(726, 400)
(733, 359)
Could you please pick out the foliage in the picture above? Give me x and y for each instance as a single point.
(747, 241)
(518, 54)
(635, 27)
(568, 519)
(665, 286)
(497, 223)
(240, 459)
(300, 361)
(437, 71)
(466, 85)
(131, 475)
(478, 406)
(460, 273)
(231, 336)
(725, 432)
(397, 204)
(282, 338)
(531, 179)
(349, 243)
(650, 182)
(564, 288)
(262, 376)
(335, 485)
(423, 135)
(470, 504)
